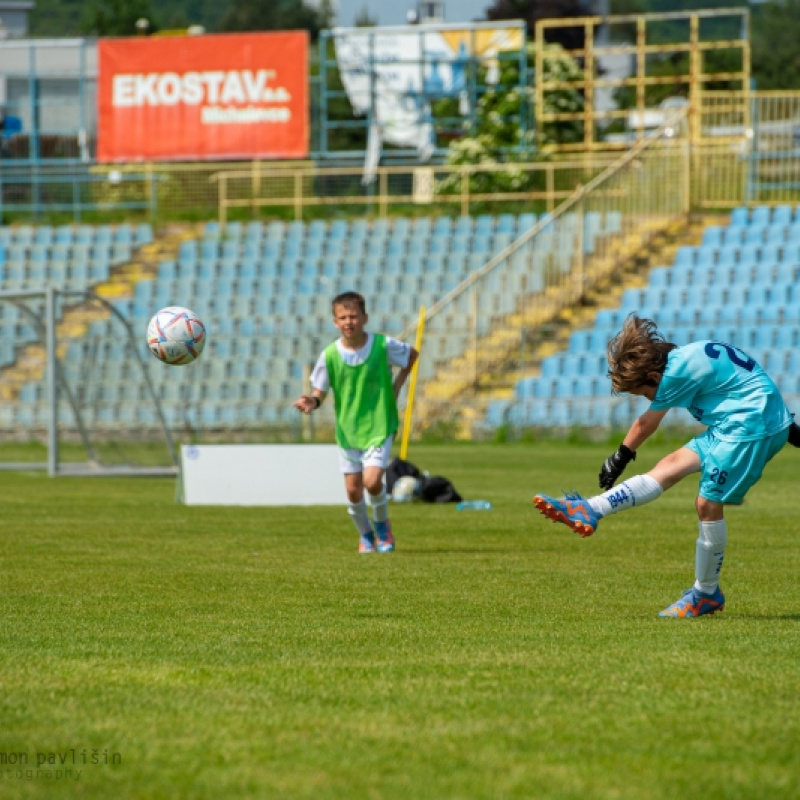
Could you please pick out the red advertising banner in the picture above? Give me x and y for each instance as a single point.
(240, 95)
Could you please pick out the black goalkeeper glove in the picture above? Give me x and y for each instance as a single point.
(614, 466)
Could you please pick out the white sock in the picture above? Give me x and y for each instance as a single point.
(635, 491)
(710, 552)
(380, 505)
(358, 513)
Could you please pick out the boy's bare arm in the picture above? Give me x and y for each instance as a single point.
(403, 374)
(639, 432)
(643, 428)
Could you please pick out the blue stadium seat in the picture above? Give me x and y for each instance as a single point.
(775, 234)
(563, 386)
(736, 295)
(675, 297)
(741, 274)
(712, 236)
(143, 234)
(659, 278)
(484, 225)
(572, 365)
(507, 223)
(598, 341)
(760, 295)
(753, 234)
(64, 234)
(579, 341)
(685, 255)
(734, 234)
(585, 386)
(739, 216)
(609, 318)
(724, 258)
(463, 226)
(770, 253)
(750, 253)
(317, 230)
(787, 337)
(525, 222)
(442, 228)
(496, 413)
(792, 366)
(122, 234)
(551, 366)
(631, 300)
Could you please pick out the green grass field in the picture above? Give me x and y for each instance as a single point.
(251, 652)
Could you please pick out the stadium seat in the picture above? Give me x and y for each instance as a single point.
(739, 217)
(712, 237)
(782, 215)
(525, 222)
(760, 216)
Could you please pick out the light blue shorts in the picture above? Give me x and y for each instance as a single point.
(729, 469)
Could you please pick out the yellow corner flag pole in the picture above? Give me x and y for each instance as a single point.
(412, 387)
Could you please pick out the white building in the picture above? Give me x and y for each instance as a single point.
(14, 18)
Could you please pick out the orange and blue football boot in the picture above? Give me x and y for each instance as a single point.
(694, 603)
(571, 509)
(366, 543)
(385, 536)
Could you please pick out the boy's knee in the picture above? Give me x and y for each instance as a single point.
(374, 486)
(708, 510)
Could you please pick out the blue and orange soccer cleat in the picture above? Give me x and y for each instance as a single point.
(385, 536)
(694, 603)
(366, 543)
(571, 509)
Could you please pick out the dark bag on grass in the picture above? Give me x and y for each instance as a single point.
(399, 468)
(437, 489)
(429, 488)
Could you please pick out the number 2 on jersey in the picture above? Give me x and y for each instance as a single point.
(734, 355)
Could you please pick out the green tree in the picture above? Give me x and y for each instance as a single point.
(118, 17)
(499, 136)
(56, 18)
(276, 15)
(775, 51)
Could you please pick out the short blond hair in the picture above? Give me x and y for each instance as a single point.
(638, 350)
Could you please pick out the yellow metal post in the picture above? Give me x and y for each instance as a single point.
(412, 387)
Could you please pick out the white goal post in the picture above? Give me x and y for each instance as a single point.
(44, 321)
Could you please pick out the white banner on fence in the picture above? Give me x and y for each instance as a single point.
(261, 475)
(392, 74)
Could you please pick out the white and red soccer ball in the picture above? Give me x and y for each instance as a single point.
(176, 336)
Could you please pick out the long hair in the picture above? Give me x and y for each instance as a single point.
(636, 351)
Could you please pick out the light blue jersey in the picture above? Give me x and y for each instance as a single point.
(723, 388)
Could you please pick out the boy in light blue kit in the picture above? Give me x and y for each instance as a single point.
(358, 367)
(748, 423)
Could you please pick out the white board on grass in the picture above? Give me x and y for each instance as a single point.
(261, 475)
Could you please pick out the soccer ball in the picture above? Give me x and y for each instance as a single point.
(405, 489)
(176, 336)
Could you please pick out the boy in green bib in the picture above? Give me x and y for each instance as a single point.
(358, 367)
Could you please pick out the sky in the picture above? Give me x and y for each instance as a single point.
(393, 12)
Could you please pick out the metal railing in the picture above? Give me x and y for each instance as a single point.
(76, 189)
(311, 191)
(492, 322)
